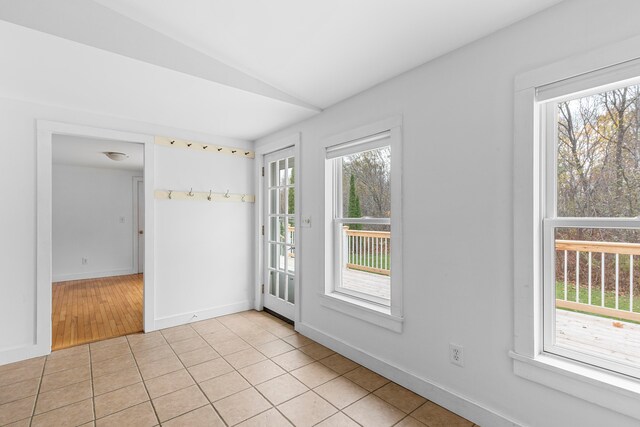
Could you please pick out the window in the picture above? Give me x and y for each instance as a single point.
(591, 228)
(576, 226)
(363, 201)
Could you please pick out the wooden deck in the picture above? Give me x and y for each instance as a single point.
(369, 283)
(599, 335)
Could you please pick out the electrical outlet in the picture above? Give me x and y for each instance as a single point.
(84, 261)
(456, 354)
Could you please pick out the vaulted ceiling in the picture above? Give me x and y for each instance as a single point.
(236, 68)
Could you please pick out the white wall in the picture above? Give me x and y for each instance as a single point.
(88, 205)
(458, 133)
(202, 252)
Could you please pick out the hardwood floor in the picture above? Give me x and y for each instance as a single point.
(96, 309)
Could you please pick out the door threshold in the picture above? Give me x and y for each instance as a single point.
(279, 316)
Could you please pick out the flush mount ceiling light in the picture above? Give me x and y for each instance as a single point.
(118, 157)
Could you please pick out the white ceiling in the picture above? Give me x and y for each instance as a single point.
(241, 68)
(89, 152)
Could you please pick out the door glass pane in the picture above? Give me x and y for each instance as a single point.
(272, 282)
(291, 295)
(281, 230)
(273, 228)
(273, 201)
(291, 171)
(273, 255)
(282, 178)
(282, 201)
(291, 264)
(273, 176)
(282, 279)
(291, 231)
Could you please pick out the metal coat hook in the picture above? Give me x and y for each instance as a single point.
(246, 153)
(227, 195)
(243, 196)
(234, 151)
(220, 149)
(190, 193)
(172, 142)
(170, 194)
(204, 147)
(209, 196)
(189, 144)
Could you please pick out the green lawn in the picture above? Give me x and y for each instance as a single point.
(372, 260)
(596, 297)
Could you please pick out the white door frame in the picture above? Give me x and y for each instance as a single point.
(136, 224)
(261, 151)
(45, 131)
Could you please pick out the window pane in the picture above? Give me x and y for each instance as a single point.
(282, 180)
(291, 172)
(273, 201)
(273, 176)
(366, 259)
(598, 149)
(291, 295)
(366, 184)
(291, 231)
(597, 297)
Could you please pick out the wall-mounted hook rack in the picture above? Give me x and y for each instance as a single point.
(193, 145)
(204, 196)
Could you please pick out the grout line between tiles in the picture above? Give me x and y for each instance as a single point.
(143, 383)
(35, 401)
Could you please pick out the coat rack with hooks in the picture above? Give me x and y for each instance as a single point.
(200, 146)
(207, 196)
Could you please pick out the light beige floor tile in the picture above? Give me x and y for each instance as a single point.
(64, 363)
(116, 380)
(162, 351)
(109, 352)
(178, 333)
(410, 422)
(292, 360)
(16, 391)
(241, 406)
(339, 363)
(297, 340)
(20, 374)
(437, 416)
(101, 345)
(257, 338)
(143, 342)
(282, 388)
(160, 367)
(27, 363)
(205, 416)
(16, 410)
(179, 402)
(220, 336)
(307, 409)
(72, 415)
(211, 369)
(71, 351)
(189, 344)
(261, 372)
(314, 374)
(244, 358)
(338, 420)
(110, 366)
(120, 399)
(141, 415)
(224, 385)
(140, 337)
(231, 346)
(270, 418)
(274, 348)
(403, 399)
(372, 411)
(281, 331)
(22, 423)
(341, 392)
(316, 351)
(366, 379)
(198, 356)
(209, 326)
(65, 378)
(168, 383)
(63, 396)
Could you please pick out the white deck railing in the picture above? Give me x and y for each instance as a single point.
(367, 250)
(569, 252)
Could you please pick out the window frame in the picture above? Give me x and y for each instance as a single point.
(616, 62)
(355, 304)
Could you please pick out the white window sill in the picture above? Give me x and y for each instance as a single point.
(372, 313)
(607, 389)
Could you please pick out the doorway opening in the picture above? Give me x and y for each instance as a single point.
(97, 242)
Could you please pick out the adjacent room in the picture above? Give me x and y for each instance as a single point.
(413, 213)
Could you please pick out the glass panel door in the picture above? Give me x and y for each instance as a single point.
(279, 233)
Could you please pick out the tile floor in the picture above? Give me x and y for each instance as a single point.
(246, 369)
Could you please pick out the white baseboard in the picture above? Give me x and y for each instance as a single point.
(91, 275)
(461, 405)
(184, 318)
(18, 354)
